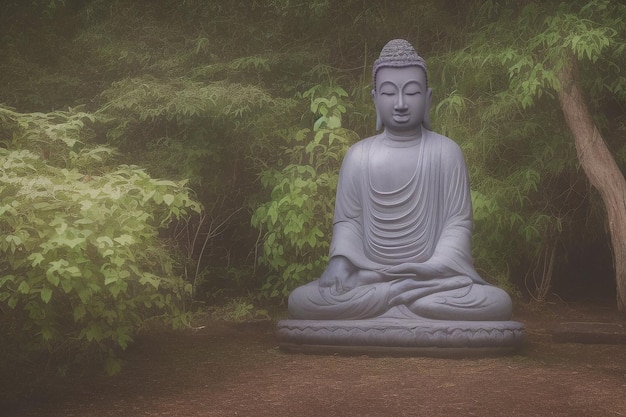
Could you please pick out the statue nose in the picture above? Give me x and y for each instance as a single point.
(400, 104)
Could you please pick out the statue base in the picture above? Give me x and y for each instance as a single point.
(401, 336)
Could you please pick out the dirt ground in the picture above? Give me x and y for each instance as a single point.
(228, 369)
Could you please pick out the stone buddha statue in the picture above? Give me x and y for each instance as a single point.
(401, 245)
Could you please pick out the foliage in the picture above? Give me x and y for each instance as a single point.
(529, 200)
(297, 220)
(200, 131)
(210, 91)
(150, 99)
(179, 125)
(205, 90)
(82, 263)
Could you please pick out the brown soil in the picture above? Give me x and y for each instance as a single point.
(226, 369)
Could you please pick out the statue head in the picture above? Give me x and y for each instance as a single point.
(401, 94)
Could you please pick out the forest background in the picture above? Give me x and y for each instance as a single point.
(165, 157)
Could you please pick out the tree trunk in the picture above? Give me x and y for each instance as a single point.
(600, 167)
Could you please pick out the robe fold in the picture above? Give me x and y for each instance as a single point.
(428, 220)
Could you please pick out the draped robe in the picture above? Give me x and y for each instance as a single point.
(403, 209)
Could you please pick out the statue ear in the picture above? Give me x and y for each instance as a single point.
(379, 122)
(429, 99)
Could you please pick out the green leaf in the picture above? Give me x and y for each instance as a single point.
(110, 278)
(103, 241)
(157, 197)
(23, 288)
(79, 312)
(36, 258)
(125, 240)
(46, 333)
(5, 279)
(67, 286)
(123, 339)
(93, 332)
(46, 294)
(112, 366)
(168, 199)
(147, 279)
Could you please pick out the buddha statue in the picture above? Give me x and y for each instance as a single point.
(401, 244)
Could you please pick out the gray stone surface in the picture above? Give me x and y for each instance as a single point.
(404, 333)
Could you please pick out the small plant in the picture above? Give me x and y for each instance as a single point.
(239, 310)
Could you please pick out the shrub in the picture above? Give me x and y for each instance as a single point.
(82, 264)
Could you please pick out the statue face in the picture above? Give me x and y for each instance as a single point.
(401, 99)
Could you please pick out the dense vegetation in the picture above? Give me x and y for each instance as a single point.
(159, 152)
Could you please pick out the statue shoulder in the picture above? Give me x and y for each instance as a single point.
(363, 144)
(360, 148)
(448, 146)
(445, 142)
(449, 151)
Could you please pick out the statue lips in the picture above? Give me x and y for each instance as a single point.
(401, 117)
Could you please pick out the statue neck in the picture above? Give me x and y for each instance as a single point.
(408, 138)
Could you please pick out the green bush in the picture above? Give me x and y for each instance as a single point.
(82, 264)
(297, 221)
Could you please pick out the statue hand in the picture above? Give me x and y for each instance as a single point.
(343, 276)
(406, 270)
(358, 278)
(338, 268)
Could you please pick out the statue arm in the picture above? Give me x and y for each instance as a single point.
(453, 253)
(347, 240)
